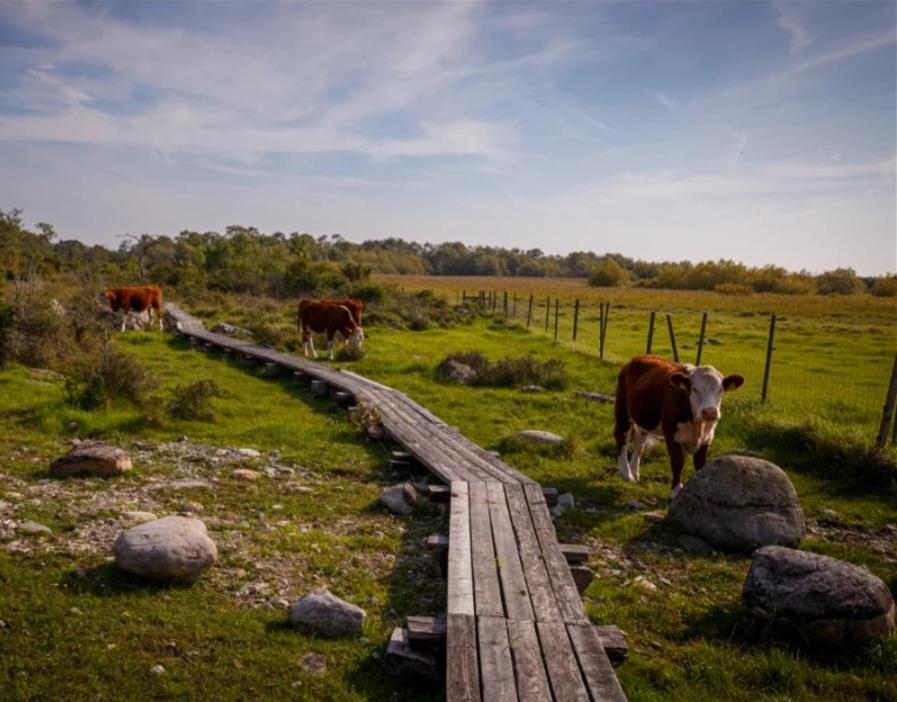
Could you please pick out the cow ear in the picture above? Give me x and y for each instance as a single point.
(681, 381)
(733, 382)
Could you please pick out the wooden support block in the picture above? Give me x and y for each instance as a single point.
(551, 496)
(496, 454)
(582, 576)
(343, 399)
(301, 376)
(439, 493)
(272, 370)
(250, 358)
(613, 641)
(438, 545)
(426, 632)
(194, 342)
(208, 347)
(319, 388)
(403, 660)
(400, 468)
(575, 553)
(403, 456)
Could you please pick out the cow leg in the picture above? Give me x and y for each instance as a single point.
(701, 456)
(641, 440)
(330, 336)
(124, 318)
(623, 457)
(677, 462)
(311, 344)
(621, 434)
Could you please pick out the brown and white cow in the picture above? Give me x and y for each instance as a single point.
(679, 402)
(138, 298)
(325, 317)
(356, 307)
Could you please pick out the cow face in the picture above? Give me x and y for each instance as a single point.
(356, 339)
(705, 386)
(107, 297)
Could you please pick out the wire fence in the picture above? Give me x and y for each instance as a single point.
(842, 371)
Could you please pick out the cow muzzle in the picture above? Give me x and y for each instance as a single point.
(710, 414)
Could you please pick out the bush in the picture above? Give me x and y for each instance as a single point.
(99, 379)
(885, 287)
(194, 401)
(509, 372)
(608, 274)
(733, 289)
(841, 281)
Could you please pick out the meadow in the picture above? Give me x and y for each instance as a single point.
(77, 628)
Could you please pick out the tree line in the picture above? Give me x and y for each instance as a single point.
(245, 260)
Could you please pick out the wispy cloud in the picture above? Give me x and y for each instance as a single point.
(666, 101)
(789, 20)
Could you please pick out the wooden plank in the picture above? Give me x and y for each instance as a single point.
(487, 592)
(403, 660)
(462, 671)
(460, 572)
(496, 668)
(439, 493)
(542, 595)
(596, 668)
(575, 553)
(513, 582)
(532, 680)
(425, 631)
(613, 641)
(561, 663)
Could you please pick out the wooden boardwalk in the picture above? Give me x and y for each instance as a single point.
(515, 628)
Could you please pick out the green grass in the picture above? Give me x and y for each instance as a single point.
(690, 641)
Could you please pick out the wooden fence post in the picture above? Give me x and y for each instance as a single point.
(650, 332)
(557, 303)
(768, 366)
(575, 318)
(701, 339)
(514, 312)
(504, 304)
(529, 311)
(673, 338)
(547, 312)
(605, 314)
(887, 413)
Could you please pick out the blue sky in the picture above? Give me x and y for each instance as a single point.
(763, 132)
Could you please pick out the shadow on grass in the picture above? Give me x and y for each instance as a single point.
(108, 580)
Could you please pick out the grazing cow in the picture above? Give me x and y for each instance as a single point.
(356, 307)
(141, 298)
(680, 402)
(324, 317)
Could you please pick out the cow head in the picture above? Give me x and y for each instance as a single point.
(705, 386)
(355, 339)
(107, 297)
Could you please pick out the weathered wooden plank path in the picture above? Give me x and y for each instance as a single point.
(515, 628)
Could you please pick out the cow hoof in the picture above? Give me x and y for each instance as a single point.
(675, 491)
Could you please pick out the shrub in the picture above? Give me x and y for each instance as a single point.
(885, 287)
(608, 274)
(733, 289)
(509, 372)
(99, 379)
(194, 401)
(841, 281)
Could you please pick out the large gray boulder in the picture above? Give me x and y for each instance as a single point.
(827, 600)
(171, 548)
(739, 503)
(89, 458)
(327, 614)
(400, 499)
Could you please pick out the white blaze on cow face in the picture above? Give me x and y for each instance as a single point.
(706, 392)
(356, 339)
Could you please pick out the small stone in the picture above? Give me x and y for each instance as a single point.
(599, 397)
(538, 437)
(315, 663)
(192, 507)
(245, 474)
(249, 453)
(712, 341)
(400, 499)
(655, 517)
(642, 583)
(3, 625)
(74, 611)
(695, 544)
(327, 615)
(138, 517)
(91, 458)
(33, 528)
(635, 505)
(157, 670)
(171, 548)
(532, 388)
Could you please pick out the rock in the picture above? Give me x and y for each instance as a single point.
(694, 544)
(245, 474)
(230, 329)
(327, 615)
(532, 388)
(400, 498)
(191, 507)
(90, 458)
(33, 528)
(44, 374)
(635, 505)
(314, 663)
(711, 341)
(739, 503)
(3, 625)
(157, 670)
(171, 548)
(655, 517)
(534, 436)
(601, 397)
(138, 517)
(688, 347)
(829, 601)
(642, 583)
(564, 503)
(457, 372)
(249, 453)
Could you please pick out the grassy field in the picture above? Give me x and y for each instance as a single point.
(832, 355)
(76, 628)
